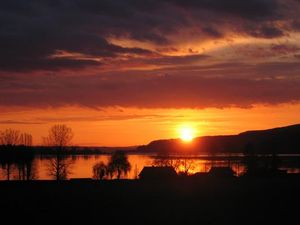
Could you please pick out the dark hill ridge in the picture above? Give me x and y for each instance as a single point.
(284, 140)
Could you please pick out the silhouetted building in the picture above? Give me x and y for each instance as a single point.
(265, 172)
(81, 179)
(157, 172)
(199, 175)
(221, 172)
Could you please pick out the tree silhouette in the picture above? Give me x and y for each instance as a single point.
(100, 170)
(9, 137)
(12, 145)
(59, 137)
(25, 140)
(119, 164)
(110, 170)
(185, 166)
(165, 160)
(25, 163)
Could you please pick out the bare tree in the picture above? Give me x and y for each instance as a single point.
(25, 139)
(181, 165)
(59, 137)
(9, 137)
(185, 166)
(12, 141)
(12, 138)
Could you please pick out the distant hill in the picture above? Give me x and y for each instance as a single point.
(282, 140)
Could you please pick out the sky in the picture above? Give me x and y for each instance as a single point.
(126, 72)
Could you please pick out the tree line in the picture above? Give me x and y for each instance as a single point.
(15, 148)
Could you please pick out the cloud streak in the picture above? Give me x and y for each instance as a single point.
(165, 91)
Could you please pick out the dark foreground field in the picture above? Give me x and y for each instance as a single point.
(204, 201)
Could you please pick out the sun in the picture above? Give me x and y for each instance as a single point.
(187, 134)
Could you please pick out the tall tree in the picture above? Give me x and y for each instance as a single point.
(59, 137)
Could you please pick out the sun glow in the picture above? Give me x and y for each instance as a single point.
(187, 133)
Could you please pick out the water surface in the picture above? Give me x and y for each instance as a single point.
(81, 165)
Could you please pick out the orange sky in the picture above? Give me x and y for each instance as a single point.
(133, 126)
(128, 72)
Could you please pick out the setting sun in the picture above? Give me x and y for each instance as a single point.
(187, 133)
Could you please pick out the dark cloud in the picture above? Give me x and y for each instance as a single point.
(30, 52)
(51, 36)
(252, 9)
(162, 91)
(212, 32)
(267, 32)
(19, 122)
(33, 30)
(175, 60)
(267, 51)
(296, 25)
(63, 119)
(284, 49)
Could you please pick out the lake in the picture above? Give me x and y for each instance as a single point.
(81, 166)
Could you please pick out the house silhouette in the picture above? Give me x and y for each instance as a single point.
(221, 172)
(157, 172)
